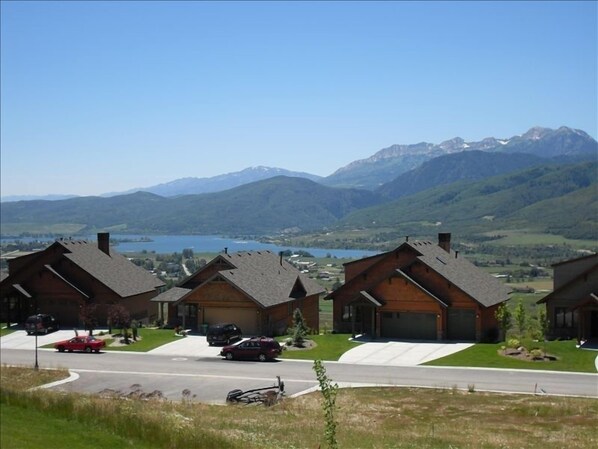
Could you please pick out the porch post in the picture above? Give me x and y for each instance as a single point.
(373, 322)
(352, 320)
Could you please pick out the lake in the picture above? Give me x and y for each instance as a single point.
(165, 244)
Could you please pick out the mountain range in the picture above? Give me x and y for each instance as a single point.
(380, 168)
(543, 180)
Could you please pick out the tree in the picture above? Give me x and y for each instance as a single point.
(119, 317)
(300, 329)
(87, 315)
(503, 316)
(543, 322)
(520, 318)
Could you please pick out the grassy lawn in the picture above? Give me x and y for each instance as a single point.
(6, 331)
(367, 418)
(328, 347)
(569, 358)
(150, 339)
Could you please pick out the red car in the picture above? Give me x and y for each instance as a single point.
(84, 343)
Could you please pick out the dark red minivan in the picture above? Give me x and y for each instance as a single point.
(257, 348)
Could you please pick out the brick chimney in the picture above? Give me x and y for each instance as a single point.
(444, 241)
(104, 242)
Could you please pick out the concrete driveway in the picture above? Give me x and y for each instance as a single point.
(20, 339)
(389, 353)
(189, 346)
(400, 353)
(380, 352)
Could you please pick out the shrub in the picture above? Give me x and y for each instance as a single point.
(537, 354)
(513, 343)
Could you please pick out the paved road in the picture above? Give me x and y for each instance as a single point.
(210, 378)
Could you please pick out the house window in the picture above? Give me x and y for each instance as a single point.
(564, 318)
(347, 313)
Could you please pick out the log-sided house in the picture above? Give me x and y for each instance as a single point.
(70, 274)
(257, 290)
(420, 290)
(572, 307)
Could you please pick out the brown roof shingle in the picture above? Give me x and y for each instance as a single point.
(266, 277)
(114, 271)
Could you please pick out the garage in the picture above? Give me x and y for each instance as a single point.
(408, 325)
(461, 324)
(246, 319)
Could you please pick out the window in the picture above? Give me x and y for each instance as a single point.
(564, 318)
(347, 313)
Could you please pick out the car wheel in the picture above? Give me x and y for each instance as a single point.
(262, 357)
(60, 348)
(97, 351)
(88, 349)
(211, 343)
(228, 355)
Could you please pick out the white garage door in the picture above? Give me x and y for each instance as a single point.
(246, 319)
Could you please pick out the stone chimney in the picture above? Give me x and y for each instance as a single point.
(104, 242)
(444, 241)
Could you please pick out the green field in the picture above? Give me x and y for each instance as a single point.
(524, 237)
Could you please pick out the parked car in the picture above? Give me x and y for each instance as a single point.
(258, 348)
(41, 324)
(223, 334)
(82, 343)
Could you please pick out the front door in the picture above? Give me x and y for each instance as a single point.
(187, 314)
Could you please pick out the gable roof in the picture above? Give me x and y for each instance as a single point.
(114, 271)
(479, 285)
(172, 295)
(590, 287)
(265, 277)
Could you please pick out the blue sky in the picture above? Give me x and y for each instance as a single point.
(106, 96)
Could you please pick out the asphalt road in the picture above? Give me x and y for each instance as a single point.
(209, 379)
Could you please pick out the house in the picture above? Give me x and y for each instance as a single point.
(420, 290)
(70, 274)
(257, 290)
(572, 307)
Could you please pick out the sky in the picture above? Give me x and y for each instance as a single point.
(103, 97)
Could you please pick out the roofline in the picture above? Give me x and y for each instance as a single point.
(414, 282)
(563, 262)
(33, 256)
(110, 288)
(568, 284)
(382, 257)
(63, 279)
(228, 281)
(456, 286)
(200, 269)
